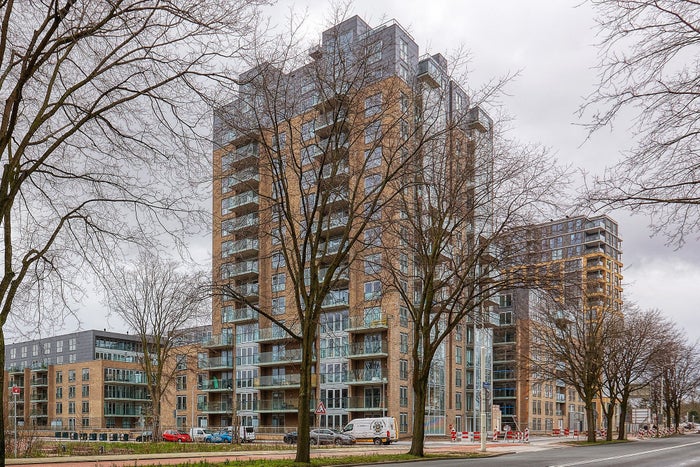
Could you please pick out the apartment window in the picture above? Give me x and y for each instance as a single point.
(372, 182)
(71, 344)
(459, 333)
(71, 407)
(403, 263)
(403, 50)
(72, 358)
(278, 260)
(71, 392)
(59, 392)
(373, 158)
(403, 369)
(278, 306)
(505, 318)
(59, 376)
(403, 73)
(403, 396)
(24, 352)
(13, 353)
(373, 236)
(278, 282)
(505, 301)
(86, 390)
(181, 362)
(47, 348)
(373, 104)
(373, 264)
(181, 382)
(403, 316)
(373, 290)
(181, 402)
(86, 374)
(35, 350)
(86, 422)
(308, 130)
(86, 407)
(71, 375)
(458, 400)
(374, 52)
(59, 408)
(458, 355)
(403, 422)
(458, 378)
(404, 343)
(373, 132)
(279, 140)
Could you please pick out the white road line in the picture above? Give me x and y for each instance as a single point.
(593, 461)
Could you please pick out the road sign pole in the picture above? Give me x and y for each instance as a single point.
(14, 393)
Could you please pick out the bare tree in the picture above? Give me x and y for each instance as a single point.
(447, 264)
(159, 303)
(629, 353)
(649, 66)
(568, 344)
(680, 373)
(98, 145)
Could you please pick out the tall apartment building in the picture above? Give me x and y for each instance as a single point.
(362, 360)
(587, 251)
(91, 381)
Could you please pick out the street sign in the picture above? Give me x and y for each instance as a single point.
(15, 390)
(320, 408)
(486, 384)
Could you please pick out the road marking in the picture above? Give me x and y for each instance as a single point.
(626, 455)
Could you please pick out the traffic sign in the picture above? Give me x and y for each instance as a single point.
(15, 390)
(321, 408)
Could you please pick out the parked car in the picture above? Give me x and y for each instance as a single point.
(328, 436)
(177, 436)
(145, 436)
(219, 437)
(291, 437)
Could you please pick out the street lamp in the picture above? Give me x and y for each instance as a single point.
(482, 402)
(384, 398)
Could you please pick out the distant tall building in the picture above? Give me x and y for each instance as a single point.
(586, 252)
(363, 364)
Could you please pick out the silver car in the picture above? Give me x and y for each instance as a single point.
(328, 436)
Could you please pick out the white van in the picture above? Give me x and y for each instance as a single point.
(245, 433)
(379, 430)
(198, 434)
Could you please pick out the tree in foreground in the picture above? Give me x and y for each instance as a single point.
(629, 355)
(679, 369)
(568, 344)
(649, 67)
(159, 303)
(97, 144)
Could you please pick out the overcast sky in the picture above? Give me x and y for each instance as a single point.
(553, 44)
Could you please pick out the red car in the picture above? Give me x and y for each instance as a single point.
(178, 436)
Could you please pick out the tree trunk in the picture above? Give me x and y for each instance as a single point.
(621, 428)
(419, 394)
(609, 415)
(303, 441)
(3, 384)
(590, 421)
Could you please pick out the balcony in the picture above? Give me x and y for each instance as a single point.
(246, 246)
(368, 323)
(215, 363)
(594, 238)
(277, 405)
(220, 341)
(41, 396)
(336, 299)
(124, 411)
(367, 377)
(215, 385)
(276, 333)
(249, 178)
(248, 153)
(333, 121)
(333, 147)
(429, 72)
(248, 290)
(223, 407)
(239, 269)
(479, 120)
(361, 404)
(239, 223)
(340, 351)
(280, 381)
(238, 315)
(126, 379)
(39, 382)
(280, 357)
(244, 202)
(368, 350)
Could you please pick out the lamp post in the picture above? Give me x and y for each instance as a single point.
(384, 398)
(482, 404)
